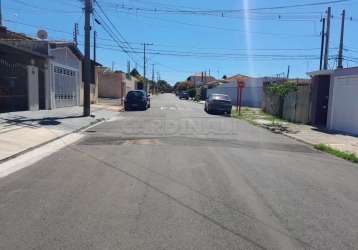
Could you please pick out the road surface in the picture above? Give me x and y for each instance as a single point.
(174, 177)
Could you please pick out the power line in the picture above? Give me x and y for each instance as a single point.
(114, 26)
(108, 30)
(254, 16)
(166, 45)
(224, 11)
(218, 28)
(231, 56)
(45, 9)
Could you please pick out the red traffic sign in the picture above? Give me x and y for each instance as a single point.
(241, 84)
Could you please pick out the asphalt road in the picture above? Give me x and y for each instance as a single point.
(174, 177)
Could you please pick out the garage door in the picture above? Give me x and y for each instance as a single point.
(65, 87)
(344, 115)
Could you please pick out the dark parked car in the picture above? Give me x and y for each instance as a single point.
(137, 99)
(184, 95)
(218, 103)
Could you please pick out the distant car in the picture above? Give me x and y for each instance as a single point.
(218, 103)
(184, 95)
(137, 99)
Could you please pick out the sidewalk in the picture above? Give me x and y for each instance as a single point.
(314, 136)
(22, 131)
(305, 133)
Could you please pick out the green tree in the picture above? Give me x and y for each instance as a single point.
(135, 73)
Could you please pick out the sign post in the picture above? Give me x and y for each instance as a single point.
(240, 87)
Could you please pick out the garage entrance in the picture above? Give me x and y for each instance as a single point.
(343, 111)
(65, 86)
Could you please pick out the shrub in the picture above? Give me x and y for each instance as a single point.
(282, 89)
(192, 92)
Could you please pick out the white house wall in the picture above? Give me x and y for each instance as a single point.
(252, 93)
(63, 58)
(343, 103)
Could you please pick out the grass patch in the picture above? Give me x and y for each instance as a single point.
(344, 155)
(253, 114)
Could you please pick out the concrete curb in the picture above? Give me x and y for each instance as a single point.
(284, 134)
(96, 122)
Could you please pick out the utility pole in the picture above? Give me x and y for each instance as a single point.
(113, 63)
(75, 33)
(145, 65)
(288, 71)
(87, 66)
(340, 54)
(95, 47)
(1, 19)
(154, 85)
(322, 43)
(128, 67)
(326, 49)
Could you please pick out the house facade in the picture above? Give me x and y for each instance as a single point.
(343, 102)
(334, 99)
(65, 76)
(60, 77)
(252, 93)
(22, 79)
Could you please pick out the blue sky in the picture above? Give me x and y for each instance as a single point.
(258, 43)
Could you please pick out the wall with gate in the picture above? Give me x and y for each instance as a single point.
(14, 78)
(63, 89)
(13, 86)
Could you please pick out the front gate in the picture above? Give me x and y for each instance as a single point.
(13, 86)
(65, 87)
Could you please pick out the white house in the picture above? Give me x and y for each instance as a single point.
(62, 71)
(252, 93)
(64, 75)
(343, 101)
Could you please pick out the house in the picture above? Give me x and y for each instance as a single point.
(62, 72)
(343, 101)
(22, 78)
(198, 79)
(8, 34)
(336, 101)
(252, 93)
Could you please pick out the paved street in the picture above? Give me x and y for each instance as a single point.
(174, 177)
